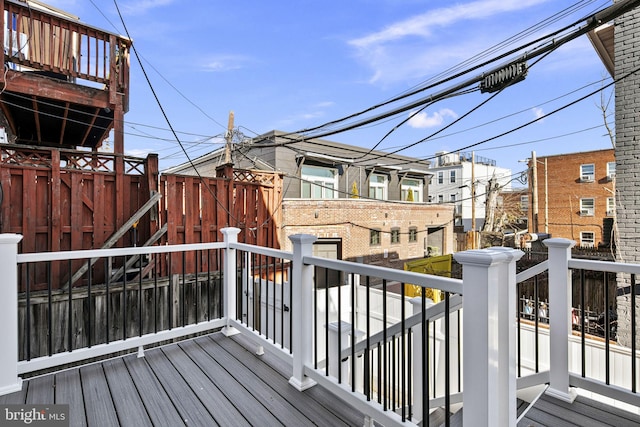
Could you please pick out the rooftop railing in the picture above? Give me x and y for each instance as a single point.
(346, 326)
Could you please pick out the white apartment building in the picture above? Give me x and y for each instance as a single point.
(461, 179)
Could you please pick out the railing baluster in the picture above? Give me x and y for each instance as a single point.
(283, 306)
(70, 309)
(536, 310)
(424, 324)
(170, 294)
(183, 285)
(140, 325)
(326, 322)
(368, 370)
(155, 293)
(403, 354)
(447, 359)
(89, 305)
(633, 334)
(339, 349)
(28, 308)
(607, 330)
(353, 332)
(125, 299)
(583, 340)
(385, 347)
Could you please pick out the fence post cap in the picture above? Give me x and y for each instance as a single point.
(303, 238)
(482, 257)
(559, 242)
(8, 238)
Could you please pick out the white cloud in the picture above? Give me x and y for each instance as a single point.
(139, 152)
(424, 120)
(220, 63)
(142, 6)
(414, 48)
(422, 25)
(538, 112)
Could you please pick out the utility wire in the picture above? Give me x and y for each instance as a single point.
(204, 183)
(592, 21)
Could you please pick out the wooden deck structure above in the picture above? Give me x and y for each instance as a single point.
(65, 84)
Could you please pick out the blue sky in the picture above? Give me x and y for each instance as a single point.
(291, 65)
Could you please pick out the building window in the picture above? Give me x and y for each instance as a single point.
(587, 238)
(452, 198)
(319, 183)
(395, 235)
(452, 176)
(440, 198)
(411, 190)
(378, 187)
(440, 177)
(611, 206)
(374, 237)
(587, 172)
(413, 234)
(524, 203)
(587, 207)
(611, 170)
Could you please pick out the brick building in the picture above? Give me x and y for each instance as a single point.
(572, 196)
(370, 231)
(365, 206)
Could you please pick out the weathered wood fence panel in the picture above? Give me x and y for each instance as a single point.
(145, 307)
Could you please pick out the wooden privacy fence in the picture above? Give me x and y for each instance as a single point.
(72, 200)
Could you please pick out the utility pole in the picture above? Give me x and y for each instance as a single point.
(228, 137)
(473, 191)
(546, 199)
(534, 191)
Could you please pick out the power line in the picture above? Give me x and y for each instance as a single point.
(204, 183)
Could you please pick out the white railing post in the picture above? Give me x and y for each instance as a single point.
(559, 318)
(9, 380)
(230, 280)
(302, 307)
(489, 362)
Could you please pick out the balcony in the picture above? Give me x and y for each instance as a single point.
(65, 83)
(272, 343)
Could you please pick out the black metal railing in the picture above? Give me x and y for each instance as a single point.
(159, 292)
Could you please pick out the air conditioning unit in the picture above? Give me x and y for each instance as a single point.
(610, 212)
(586, 212)
(611, 176)
(586, 178)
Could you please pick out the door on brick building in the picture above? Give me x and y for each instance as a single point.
(332, 249)
(434, 242)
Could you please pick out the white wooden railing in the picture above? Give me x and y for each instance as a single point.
(488, 327)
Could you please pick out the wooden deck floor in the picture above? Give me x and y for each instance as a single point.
(215, 380)
(208, 381)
